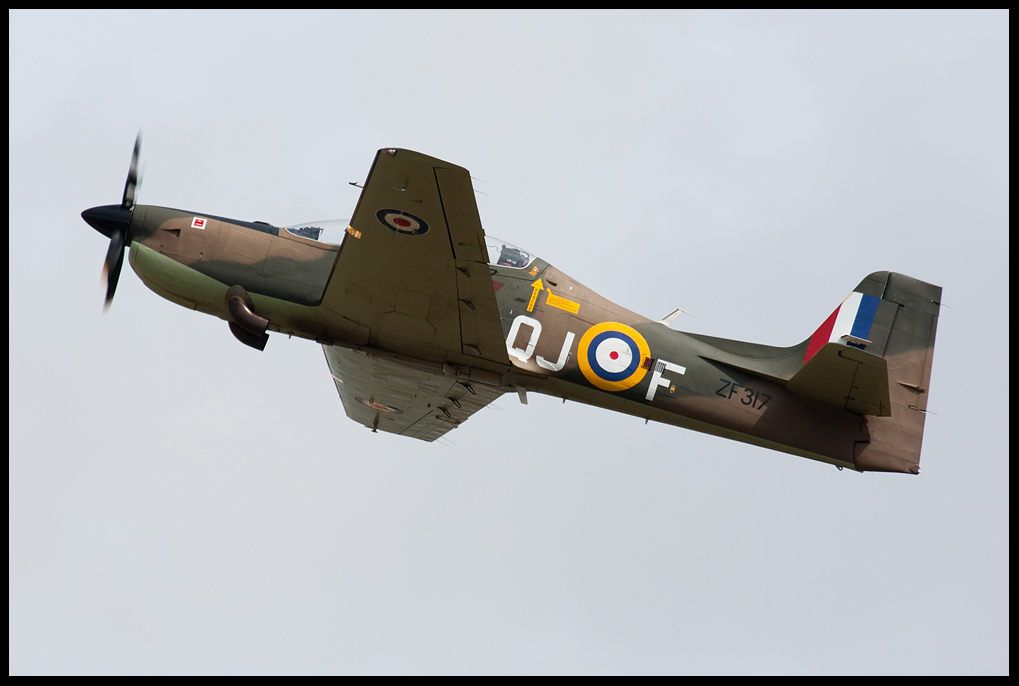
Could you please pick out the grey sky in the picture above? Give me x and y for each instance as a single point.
(181, 503)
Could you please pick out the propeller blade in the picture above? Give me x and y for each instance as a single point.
(111, 268)
(132, 175)
(115, 221)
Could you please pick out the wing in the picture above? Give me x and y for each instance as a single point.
(418, 399)
(413, 276)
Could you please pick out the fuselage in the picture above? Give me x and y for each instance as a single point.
(562, 338)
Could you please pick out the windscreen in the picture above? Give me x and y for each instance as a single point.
(504, 254)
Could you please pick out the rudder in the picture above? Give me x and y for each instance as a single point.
(892, 443)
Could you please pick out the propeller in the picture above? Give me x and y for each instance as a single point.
(114, 221)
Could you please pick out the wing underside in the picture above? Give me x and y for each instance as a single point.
(417, 399)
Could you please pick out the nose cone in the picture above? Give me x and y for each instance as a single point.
(108, 219)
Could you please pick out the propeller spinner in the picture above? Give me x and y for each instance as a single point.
(114, 221)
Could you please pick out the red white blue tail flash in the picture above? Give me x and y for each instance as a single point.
(852, 319)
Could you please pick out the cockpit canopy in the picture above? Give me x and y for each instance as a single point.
(504, 254)
(325, 231)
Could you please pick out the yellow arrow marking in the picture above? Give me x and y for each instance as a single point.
(537, 286)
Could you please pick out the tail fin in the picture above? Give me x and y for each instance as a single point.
(873, 356)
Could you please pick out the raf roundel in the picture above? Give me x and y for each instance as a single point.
(402, 222)
(611, 356)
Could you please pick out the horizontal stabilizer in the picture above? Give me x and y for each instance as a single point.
(845, 376)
